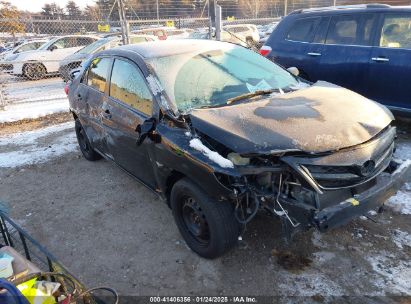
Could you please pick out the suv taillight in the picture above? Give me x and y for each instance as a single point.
(265, 50)
(66, 88)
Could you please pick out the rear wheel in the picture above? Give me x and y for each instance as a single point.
(208, 226)
(34, 71)
(84, 144)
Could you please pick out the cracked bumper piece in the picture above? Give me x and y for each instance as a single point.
(387, 185)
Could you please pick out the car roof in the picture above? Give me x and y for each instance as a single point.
(165, 48)
(374, 7)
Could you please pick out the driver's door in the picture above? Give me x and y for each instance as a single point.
(130, 103)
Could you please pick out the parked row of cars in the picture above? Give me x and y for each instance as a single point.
(37, 59)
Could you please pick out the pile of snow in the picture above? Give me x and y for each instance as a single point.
(37, 146)
(213, 156)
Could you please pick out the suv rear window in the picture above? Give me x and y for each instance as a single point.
(396, 32)
(303, 30)
(351, 30)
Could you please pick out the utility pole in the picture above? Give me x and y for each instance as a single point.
(285, 8)
(123, 21)
(335, 2)
(158, 13)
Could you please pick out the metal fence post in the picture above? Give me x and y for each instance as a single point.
(218, 22)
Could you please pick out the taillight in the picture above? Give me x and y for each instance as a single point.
(66, 88)
(265, 50)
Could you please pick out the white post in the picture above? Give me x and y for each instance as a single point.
(158, 13)
(218, 22)
(285, 7)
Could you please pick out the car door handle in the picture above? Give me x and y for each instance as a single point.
(107, 114)
(314, 54)
(380, 59)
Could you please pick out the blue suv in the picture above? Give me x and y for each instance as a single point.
(365, 48)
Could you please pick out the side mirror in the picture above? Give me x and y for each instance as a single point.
(294, 71)
(52, 48)
(143, 130)
(74, 73)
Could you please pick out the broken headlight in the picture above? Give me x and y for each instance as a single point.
(237, 160)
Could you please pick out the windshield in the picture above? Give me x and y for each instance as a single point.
(212, 77)
(91, 48)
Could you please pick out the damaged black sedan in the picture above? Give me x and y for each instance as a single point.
(222, 133)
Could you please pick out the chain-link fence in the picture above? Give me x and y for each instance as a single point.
(38, 53)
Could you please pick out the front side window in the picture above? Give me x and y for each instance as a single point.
(351, 30)
(128, 85)
(303, 30)
(97, 74)
(396, 32)
(210, 77)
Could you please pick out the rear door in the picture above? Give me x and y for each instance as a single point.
(344, 57)
(129, 105)
(92, 93)
(390, 62)
(292, 50)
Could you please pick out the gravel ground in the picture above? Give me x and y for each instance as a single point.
(109, 230)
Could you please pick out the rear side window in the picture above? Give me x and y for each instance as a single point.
(396, 32)
(351, 30)
(128, 85)
(83, 41)
(97, 74)
(303, 30)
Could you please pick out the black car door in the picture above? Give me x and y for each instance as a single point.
(130, 103)
(92, 92)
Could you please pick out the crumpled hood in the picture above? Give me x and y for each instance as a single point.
(320, 118)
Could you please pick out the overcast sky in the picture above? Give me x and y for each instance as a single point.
(36, 5)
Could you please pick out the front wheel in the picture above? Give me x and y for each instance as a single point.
(209, 227)
(34, 71)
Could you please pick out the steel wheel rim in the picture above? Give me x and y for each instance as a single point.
(195, 221)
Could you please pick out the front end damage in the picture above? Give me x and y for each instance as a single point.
(323, 190)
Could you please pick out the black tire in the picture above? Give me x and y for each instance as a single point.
(84, 143)
(34, 71)
(209, 227)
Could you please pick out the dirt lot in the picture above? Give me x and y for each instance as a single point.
(109, 230)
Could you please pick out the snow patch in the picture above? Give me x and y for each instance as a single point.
(212, 155)
(401, 202)
(33, 110)
(37, 146)
(394, 274)
(401, 238)
(403, 151)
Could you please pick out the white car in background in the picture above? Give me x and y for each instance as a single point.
(45, 60)
(247, 31)
(75, 60)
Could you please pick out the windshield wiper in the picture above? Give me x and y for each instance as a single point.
(250, 95)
